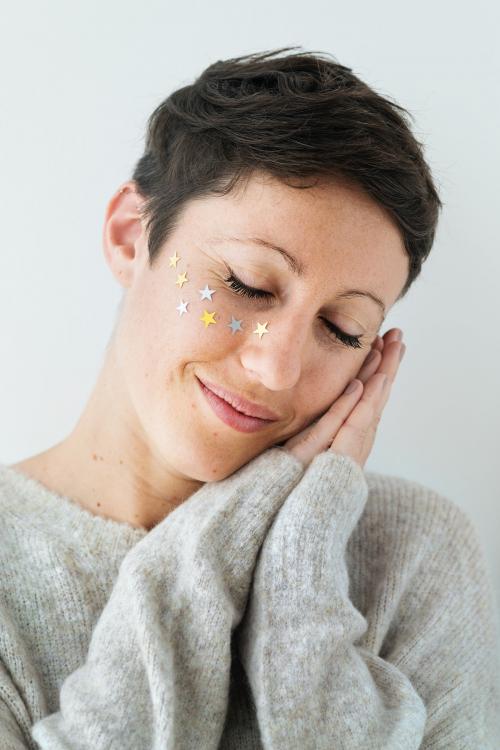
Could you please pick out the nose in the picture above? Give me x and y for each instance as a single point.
(278, 358)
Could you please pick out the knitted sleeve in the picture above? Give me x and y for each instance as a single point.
(428, 676)
(158, 665)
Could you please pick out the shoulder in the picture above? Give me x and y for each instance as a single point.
(405, 505)
(415, 542)
(415, 560)
(10, 480)
(19, 504)
(419, 576)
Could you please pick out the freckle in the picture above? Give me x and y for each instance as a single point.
(98, 505)
(94, 457)
(215, 434)
(147, 374)
(101, 458)
(121, 461)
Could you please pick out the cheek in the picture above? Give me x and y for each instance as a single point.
(321, 390)
(209, 324)
(169, 329)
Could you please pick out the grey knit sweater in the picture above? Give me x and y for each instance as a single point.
(282, 608)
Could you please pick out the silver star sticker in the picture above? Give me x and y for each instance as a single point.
(182, 307)
(235, 325)
(206, 293)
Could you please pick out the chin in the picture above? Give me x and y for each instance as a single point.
(201, 463)
(217, 469)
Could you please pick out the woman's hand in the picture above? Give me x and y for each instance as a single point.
(350, 424)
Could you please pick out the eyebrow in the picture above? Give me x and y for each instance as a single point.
(298, 268)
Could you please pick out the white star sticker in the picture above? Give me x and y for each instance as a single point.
(235, 325)
(261, 329)
(182, 307)
(206, 293)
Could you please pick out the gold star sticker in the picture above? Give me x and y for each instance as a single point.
(207, 318)
(261, 329)
(174, 260)
(181, 279)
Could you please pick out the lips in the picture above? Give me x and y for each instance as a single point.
(238, 402)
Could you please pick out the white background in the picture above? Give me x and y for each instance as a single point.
(78, 82)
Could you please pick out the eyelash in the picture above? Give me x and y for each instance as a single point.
(248, 291)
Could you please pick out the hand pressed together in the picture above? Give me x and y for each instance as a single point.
(349, 426)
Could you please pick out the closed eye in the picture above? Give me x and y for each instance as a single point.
(249, 291)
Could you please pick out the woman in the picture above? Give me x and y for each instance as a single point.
(203, 562)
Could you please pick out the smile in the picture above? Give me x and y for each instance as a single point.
(231, 416)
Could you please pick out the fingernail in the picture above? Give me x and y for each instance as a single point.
(399, 335)
(402, 352)
(351, 387)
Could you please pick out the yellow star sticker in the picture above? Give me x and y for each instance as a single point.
(261, 329)
(181, 279)
(174, 260)
(208, 318)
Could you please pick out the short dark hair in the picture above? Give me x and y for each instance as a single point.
(294, 116)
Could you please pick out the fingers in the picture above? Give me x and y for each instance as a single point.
(318, 436)
(366, 401)
(356, 436)
(391, 357)
(351, 439)
(370, 365)
(388, 365)
(378, 344)
(374, 356)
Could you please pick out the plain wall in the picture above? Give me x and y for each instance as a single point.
(78, 83)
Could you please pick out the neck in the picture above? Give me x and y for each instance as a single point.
(106, 463)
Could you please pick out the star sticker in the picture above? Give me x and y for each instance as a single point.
(181, 279)
(207, 318)
(206, 293)
(182, 307)
(174, 260)
(261, 329)
(235, 325)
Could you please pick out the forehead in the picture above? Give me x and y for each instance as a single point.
(333, 230)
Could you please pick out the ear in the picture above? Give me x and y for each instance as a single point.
(123, 233)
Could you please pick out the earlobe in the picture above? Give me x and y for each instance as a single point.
(122, 233)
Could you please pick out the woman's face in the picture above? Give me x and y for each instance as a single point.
(340, 238)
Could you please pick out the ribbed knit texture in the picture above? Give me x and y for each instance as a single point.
(281, 608)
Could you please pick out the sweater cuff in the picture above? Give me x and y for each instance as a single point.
(330, 497)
